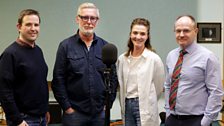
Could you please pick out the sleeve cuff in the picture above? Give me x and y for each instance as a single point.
(206, 121)
(167, 111)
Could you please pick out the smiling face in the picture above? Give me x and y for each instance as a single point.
(185, 31)
(87, 20)
(29, 28)
(139, 35)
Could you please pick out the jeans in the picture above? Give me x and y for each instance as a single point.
(31, 120)
(132, 115)
(79, 119)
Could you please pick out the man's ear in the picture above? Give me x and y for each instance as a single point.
(18, 27)
(77, 19)
(196, 30)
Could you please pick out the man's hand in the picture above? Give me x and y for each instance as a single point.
(70, 110)
(23, 123)
(48, 117)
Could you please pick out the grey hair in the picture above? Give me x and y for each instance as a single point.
(88, 5)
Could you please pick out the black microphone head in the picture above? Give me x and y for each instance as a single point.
(109, 54)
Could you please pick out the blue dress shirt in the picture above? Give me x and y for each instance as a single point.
(200, 88)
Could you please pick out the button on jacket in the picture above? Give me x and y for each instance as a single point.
(78, 75)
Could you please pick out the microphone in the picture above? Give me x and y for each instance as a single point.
(109, 54)
(109, 57)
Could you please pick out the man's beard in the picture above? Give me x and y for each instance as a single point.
(86, 32)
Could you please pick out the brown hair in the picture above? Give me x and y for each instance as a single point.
(144, 22)
(27, 12)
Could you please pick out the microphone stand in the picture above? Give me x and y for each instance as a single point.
(108, 92)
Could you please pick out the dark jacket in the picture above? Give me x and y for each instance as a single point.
(78, 79)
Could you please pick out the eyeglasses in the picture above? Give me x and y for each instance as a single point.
(87, 18)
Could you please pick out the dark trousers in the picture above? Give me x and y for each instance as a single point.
(79, 119)
(30, 120)
(185, 121)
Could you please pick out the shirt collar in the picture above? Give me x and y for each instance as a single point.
(190, 49)
(144, 53)
(94, 37)
(25, 44)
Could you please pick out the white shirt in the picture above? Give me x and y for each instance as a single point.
(150, 78)
(132, 84)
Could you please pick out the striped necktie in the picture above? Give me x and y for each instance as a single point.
(175, 80)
